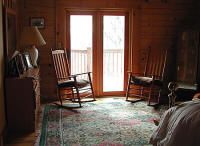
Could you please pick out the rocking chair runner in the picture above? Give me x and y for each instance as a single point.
(151, 81)
(68, 85)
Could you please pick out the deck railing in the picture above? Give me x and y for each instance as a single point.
(81, 61)
(113, 63)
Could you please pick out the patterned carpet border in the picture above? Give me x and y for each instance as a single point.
(44, 123)
(115, 122)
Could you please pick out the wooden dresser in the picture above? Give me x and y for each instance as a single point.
(23, 101)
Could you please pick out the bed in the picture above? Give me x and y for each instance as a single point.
(179, 126)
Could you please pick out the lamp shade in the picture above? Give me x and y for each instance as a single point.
(31, 36)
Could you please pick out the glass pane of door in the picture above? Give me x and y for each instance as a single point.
(113, 53)
(81, 43)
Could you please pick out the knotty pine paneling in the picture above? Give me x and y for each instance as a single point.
(49, 83)
(46, 9)
(160, 28)
(155, 23)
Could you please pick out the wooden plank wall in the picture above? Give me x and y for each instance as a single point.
(160, 28)
(155, 23)
(46, 9)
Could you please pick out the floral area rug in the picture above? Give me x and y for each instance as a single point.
(115, 122)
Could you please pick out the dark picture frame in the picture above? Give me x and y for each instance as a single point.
(12, 68)
(16, 66)
(20, 63)
(37, 21)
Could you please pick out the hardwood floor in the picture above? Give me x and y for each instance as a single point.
(30, 139)
(25, 139)
(21, 140)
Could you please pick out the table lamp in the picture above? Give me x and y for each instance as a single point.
(31, 37)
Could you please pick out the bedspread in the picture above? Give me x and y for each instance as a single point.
(179, 126)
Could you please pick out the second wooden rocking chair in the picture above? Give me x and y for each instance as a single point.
(150, 83)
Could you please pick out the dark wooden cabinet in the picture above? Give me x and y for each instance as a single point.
(23, 101)
(187, 57)
(187, 64)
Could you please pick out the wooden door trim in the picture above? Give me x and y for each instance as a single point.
(126, 45)
(97, 45)
(94, 42)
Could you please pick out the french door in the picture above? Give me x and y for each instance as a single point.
(98, 43)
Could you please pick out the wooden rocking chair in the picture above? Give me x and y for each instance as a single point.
(70, 87)
(151, 81)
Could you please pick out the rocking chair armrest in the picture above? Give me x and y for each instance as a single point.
(82, 73)
(71, 76)
(155, 76)
(133, 73)
(65, 78)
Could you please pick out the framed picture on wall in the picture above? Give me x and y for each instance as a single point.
(37, 21)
